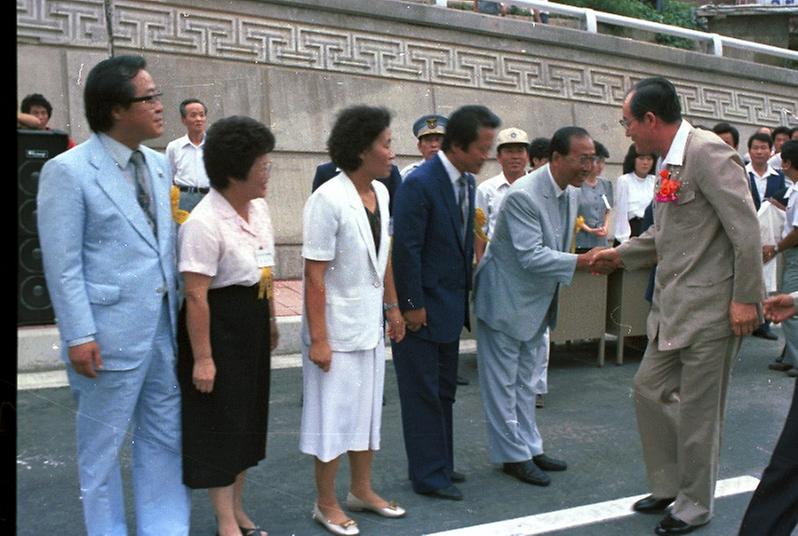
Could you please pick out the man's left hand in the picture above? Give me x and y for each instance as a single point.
(743, 317)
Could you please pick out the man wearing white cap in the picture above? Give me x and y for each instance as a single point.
(429, 129)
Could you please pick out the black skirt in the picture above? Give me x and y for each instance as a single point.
(224, 432)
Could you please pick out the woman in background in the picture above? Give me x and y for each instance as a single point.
(595, 198)
(634, 190)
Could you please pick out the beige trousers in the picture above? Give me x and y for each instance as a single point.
(680, 400)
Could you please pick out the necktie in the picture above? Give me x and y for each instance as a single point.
(462, 203)
(564, 218)
(140, 175)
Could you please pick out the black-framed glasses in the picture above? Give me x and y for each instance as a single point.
(625, 122)
(149, 99)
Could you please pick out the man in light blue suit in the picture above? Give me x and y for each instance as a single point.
(433, 248)
(108, 243)
(515, 297)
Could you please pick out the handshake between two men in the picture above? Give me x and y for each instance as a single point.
(599, 260)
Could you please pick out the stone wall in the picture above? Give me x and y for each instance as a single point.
(293, 64)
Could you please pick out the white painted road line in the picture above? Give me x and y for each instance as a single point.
(583, 515)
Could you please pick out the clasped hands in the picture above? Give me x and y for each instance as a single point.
(599, 261)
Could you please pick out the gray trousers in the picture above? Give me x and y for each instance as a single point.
(680, 400)
(509, 379)
(789, 283)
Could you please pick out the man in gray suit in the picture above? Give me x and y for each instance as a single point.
(706, 244)
(516, 300)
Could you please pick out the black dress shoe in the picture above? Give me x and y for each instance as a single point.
(462, 381)
(549, 464)
(651, 504)
(671, 525)
(457, 477)
(527, 472)
(767, 335)
(779, 366)
(451, 493)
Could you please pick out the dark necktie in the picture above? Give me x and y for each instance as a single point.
(140, 175)
(564, 218)
(462, 203)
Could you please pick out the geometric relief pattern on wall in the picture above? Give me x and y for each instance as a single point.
(188, 31)
(77, 23)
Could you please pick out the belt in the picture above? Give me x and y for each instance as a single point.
(193, 189)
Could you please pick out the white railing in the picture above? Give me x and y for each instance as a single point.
(590, 19)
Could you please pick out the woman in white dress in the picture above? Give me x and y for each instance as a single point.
(634, 191)
(348, 285)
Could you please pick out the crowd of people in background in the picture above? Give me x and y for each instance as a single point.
(160, 270)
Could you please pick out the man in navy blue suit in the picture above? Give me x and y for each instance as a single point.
(328, 170)
(433, 247)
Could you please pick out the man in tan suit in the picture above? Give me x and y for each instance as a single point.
(705, 241)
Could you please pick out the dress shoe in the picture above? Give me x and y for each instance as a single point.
(357, 505)
(793, 372)
(347, 528)
(527, 472)
(767, 335)
(651, 504)
(779, 366)
(671, 525)
(457, 477)
(549, 464)
(462, 381)
(451, 493)
(539, 401)
(254, 531)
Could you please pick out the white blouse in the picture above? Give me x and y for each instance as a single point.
(632, 196)
(217, 242)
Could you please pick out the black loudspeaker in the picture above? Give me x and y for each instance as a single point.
(34, 148)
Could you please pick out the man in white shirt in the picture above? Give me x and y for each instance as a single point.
(185, 155)
(429, 129)
(511, 153)
(780, 135)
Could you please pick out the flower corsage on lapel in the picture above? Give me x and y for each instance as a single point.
(479, 224)
(669, 186)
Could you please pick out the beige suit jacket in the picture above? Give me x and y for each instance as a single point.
(706, 245)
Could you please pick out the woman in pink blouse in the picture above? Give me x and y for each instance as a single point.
(227, 326)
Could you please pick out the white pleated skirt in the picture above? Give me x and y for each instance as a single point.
(342, 408)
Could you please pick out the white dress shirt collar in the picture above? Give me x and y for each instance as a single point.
(452, 171)
(675, 156)
(557, 190)
(119, 152)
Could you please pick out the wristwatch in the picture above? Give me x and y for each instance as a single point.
(388, 306)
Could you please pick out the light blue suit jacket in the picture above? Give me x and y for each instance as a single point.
(518, 279)
(106, 271)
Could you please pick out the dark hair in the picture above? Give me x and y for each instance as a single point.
(631, 156)
(793, 131)
(758, 136)
(723, 128)
(464, 124)
(186, 102)
(539, 148)
(601, 151)
(561, 141)
(36, 99)
(657, 95)
(109, 85)
(232, 145)
(355, 130)
(781, 130)
(789, 152)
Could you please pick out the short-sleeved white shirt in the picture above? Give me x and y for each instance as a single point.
(791, 215)
(217, 242)
(489, 198)
(186, 160)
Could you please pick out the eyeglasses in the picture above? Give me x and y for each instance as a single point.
(149, 99)
(267, 168)
(625, 122)
(586, 159)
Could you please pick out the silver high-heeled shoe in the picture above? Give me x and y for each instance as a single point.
(348, 528)
(358, 505)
